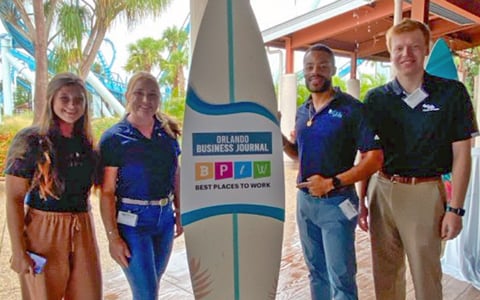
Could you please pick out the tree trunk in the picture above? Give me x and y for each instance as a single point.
(90, 54)
(41, 73)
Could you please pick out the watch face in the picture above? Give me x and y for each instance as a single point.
(336, 182)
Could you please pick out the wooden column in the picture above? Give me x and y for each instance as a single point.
(420, 10)
(289, 56)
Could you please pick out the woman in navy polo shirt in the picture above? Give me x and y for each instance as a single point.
(141, 187)
(52, 167)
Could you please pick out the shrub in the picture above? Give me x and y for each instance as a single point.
(8, 129)
(12, 125)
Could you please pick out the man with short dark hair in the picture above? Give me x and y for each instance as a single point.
(329, 129)
(425, 124)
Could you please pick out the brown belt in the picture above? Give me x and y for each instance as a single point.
(408, 180)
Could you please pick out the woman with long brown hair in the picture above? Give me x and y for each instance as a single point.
(50, 170)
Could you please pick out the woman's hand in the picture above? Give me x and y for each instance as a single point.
(21, 263)
(119, 251)
(178, 224)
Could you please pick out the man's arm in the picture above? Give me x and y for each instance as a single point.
(289, 148)
(452, 223)
(370, 162)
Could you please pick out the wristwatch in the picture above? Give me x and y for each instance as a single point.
(336, 182)
(459, 211)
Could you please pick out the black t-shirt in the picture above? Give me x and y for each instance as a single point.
(418, 141)
(76, 169)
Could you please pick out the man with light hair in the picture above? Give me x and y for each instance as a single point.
(425, 124)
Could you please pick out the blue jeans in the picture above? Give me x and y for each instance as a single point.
(328, 243)
(150, 244)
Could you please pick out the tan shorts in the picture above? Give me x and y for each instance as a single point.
(67, 241)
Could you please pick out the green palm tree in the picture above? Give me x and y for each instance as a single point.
(144, 55)
(176, 41)
(78, 25)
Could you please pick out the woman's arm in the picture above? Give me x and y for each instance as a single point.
(16, 188)
(118, 248)
(176, 203)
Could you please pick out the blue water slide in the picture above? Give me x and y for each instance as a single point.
(112, 90)
(345, 70)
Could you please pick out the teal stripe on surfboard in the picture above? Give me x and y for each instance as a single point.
(236, 265)
(199, 105)
(440, 62)
(231, 57)
(250, 209)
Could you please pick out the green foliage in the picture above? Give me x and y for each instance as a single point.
(303, 93)
(101, 124)
(169, 54)
(175, 107)
(144, 55)
(470, 61)
(368, 81)
(339, 82)
(8, 129)
(22, 95)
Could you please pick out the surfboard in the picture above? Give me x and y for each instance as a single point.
(232, 179)
(440, 61)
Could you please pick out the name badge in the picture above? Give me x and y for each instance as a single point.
(416, 97)
(127, 218)
(348, 209)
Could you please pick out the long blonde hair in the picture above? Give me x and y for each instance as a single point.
(169, 124)
(45, 134)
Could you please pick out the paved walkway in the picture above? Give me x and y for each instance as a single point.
(293, 282)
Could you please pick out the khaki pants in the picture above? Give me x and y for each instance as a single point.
(72, 271)
(406, 219)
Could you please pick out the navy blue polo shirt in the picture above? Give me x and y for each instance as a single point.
(75, 165)
(146, 167)
(329, 145)
(418, 141)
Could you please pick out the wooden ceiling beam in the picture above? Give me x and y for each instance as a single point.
(343, 23)
(458, 9)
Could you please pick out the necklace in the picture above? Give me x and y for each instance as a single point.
(310, 116)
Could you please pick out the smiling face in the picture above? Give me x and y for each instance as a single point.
(69, 104)
(408, 52)
(318, 69)
(143, 98)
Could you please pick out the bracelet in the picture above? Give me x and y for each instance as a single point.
(111, 234)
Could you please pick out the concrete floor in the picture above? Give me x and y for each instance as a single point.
(293, 281)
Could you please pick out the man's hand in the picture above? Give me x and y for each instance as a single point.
(451, 226)
(317, 185)
(363, 217)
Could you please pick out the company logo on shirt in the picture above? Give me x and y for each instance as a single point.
(429, 107)
(335, 113)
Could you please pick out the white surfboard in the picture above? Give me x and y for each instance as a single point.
(232, 182)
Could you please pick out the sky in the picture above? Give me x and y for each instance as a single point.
(267, 12)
